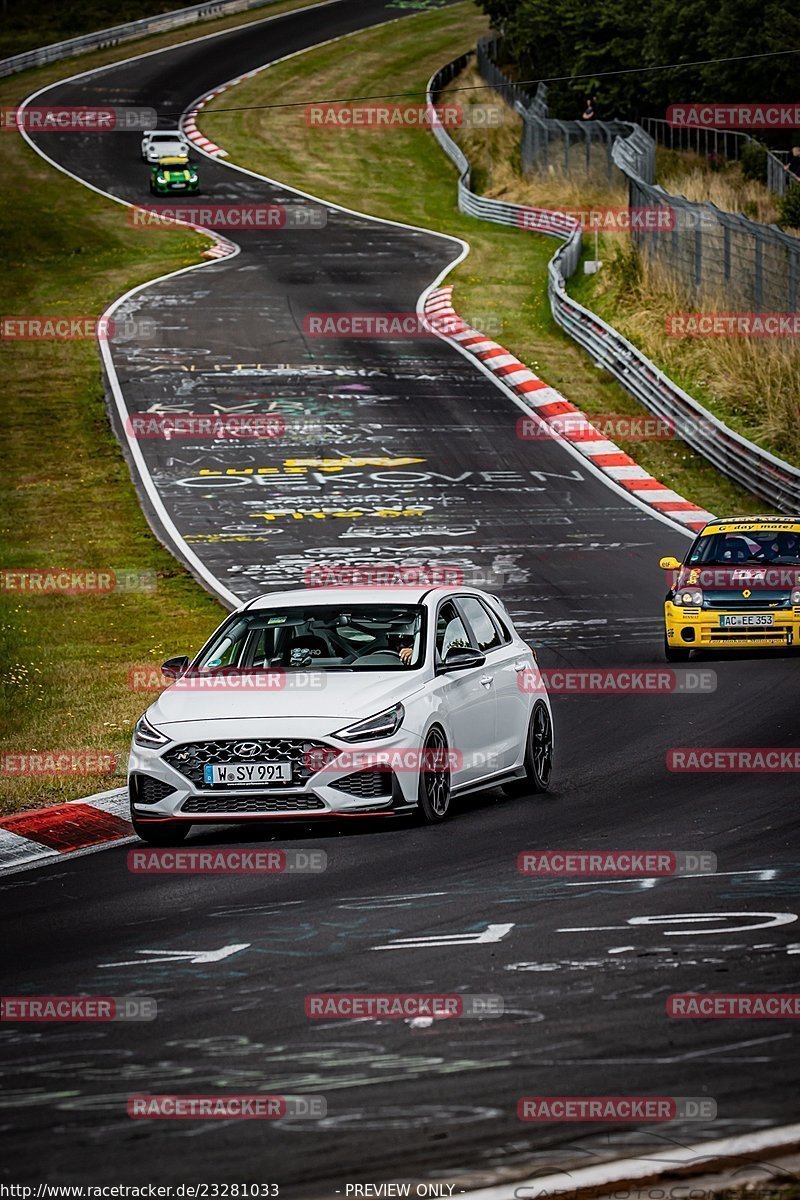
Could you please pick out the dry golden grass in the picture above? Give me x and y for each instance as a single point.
(687, 175)
(495, 157)
(753, 383)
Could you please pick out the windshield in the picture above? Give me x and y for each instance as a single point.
(322, 637)
(751, 547)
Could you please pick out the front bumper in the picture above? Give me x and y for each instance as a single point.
(702, 629)
(169, 189)
(344, 787)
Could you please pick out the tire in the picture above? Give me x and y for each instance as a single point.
(538, 755)
(675, 653)
(161, 833)
(433, 795)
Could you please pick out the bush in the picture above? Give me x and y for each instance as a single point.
(754, 161)
(790, 205)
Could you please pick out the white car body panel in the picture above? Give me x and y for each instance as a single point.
(482, 710)
(164, 143)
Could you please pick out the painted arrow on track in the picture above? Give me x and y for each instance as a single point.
(184, 956)
(492, 933)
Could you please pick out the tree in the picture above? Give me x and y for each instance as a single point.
(546, 38)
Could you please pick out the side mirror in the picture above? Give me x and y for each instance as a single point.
(173, 668)
(460, 658)
(670, 564)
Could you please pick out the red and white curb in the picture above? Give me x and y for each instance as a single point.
(188, 125)
(222, 248)
(43, 835)
(194, 135)
(548, 405)
(188, 122)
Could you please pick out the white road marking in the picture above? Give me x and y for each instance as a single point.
(184, 956)
(772, 920)
(763, 875)
(492, 933)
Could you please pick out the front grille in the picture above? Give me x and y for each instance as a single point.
(365, 784)
(191, 757)
(146, 790)
(757, 601)
(251, 804)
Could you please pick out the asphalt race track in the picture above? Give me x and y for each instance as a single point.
(584, 968)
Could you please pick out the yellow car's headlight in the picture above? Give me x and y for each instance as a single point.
(688, 597)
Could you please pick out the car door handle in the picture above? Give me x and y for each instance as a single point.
(486, 680)
(520, 666)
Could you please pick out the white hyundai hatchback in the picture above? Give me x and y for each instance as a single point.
(342, 702)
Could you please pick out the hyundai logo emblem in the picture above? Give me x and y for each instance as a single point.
(247, 749)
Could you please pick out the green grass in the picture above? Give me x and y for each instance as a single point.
(404, 175)
(67, 496)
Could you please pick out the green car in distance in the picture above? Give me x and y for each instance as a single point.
(170, 175)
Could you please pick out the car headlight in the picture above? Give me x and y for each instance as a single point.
(161, 179)
(192, 179)
(383, 725)
(146, 734)
(796, 596)
(690, 597)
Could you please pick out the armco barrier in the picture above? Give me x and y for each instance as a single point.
(762, 473)
(102, 38)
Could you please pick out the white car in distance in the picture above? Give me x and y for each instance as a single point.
(164, 143)
(341, 702)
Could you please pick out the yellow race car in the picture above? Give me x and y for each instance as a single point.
(738, 587)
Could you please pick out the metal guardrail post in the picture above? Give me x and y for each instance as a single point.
(726, 252)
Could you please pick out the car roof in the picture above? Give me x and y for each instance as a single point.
(358, 595)
(756, 517)
(766, 519)
(172, 161)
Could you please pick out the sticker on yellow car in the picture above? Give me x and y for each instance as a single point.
(776, 526)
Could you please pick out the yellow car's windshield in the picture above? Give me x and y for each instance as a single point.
(760, 544)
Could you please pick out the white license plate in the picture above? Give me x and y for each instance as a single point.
(745, 620)
(247, 774)
(178, 186)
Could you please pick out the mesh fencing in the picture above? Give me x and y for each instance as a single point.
(706, 253)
